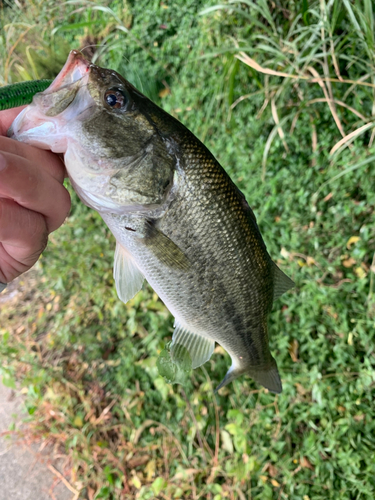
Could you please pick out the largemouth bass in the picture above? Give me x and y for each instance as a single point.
(178, 219)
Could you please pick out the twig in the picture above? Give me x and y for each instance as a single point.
(329, 100)
(199, 436)
(217, 419)
(194, 489)
(165, 457)
(51, 494)
(277, 122)
(371, 138)
(371, 287)
(314, 140)
(278, 427)
(241, 496)
(64, 480)
(264, 105)
(340, 103)
(12, 49)
(105, 412)
(147, 423)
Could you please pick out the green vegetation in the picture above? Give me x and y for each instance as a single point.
(301, 147)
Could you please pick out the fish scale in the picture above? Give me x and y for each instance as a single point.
(178, 219)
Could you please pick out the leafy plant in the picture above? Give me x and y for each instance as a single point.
(315, 55)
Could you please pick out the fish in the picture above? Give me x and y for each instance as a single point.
(178, 219)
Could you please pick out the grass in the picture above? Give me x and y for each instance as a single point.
(87, 363)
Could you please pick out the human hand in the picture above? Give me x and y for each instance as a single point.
(33, 200)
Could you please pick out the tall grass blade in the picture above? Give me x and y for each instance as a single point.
(345, 141)
(371, 159)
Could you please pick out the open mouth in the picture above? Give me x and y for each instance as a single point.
(36, 124)
(75, 68)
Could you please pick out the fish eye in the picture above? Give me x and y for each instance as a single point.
(115, 98)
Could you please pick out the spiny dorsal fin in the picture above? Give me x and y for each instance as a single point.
(128, 277)
(281, 282)
(200, 348)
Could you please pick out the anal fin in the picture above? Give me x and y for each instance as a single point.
(128, 277)
(199, 348)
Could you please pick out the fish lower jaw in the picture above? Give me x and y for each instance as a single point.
(32, 128)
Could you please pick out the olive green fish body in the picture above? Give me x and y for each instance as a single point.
(178, 219)
(227, 292)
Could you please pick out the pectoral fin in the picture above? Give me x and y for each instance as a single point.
(199, 348)
(165, 249)
(128, 277)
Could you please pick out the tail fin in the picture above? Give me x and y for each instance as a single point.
(268, 376)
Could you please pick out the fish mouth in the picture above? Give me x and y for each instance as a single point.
(65, 99)
(75, 68)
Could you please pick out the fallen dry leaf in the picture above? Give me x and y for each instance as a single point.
(306, 464)
(164, 92)
(328, 197)
(348, 262)
(300, 389)
(284, 253)
(185, 473)
(136, 482)
(271, 469)
(137, 461)
(360, 272)
(150, 469)
(351, 241)
(293, 350)
(330, 311)
(310, 261)
(359, 418)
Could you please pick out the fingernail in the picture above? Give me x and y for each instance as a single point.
(3, 162)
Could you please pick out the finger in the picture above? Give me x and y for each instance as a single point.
(7, 116)
(46, 159)
(23, 237)
(51, 161)
(33, 188)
